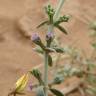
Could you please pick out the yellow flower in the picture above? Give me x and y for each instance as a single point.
(21, 83)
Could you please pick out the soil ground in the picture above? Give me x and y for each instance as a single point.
(16, 54)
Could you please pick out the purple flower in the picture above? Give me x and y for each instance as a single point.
(49, 36)
(30, 87)
(35, 37)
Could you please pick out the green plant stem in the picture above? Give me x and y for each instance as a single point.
(50, 29)
(60, 4)
(46, 74)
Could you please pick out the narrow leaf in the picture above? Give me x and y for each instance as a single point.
(56, 92)
(61, 29)
(43, 23)
(49, 60)
(38, 49)
(37, 74)
(59, 50)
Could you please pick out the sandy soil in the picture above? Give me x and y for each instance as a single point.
(16, 55)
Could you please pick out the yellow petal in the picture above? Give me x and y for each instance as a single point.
(21, 83)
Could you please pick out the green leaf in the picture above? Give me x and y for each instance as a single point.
(59, 50)
(37, 74)
(94, 45)
(58, 79)
(61, 29)
(50, 61)
(40, 91)
(43, 23)
(56, 92)
(39, 50)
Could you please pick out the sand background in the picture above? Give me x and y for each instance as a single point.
(16, 54)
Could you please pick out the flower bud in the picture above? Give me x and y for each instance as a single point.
(36, 39)
(49, 37)
(49, 10)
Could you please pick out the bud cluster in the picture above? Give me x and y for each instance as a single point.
(36, 39)
(62, 19)
(49, 10)
(49, 38)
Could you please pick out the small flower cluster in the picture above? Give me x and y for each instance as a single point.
(50, 12)
(37, 40)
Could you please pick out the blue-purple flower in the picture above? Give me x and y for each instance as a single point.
(36, 39)
(49, 37)
(30, 87)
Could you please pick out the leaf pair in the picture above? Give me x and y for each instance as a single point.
(50, 12)
(56, 25)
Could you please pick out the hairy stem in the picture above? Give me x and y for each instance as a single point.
(50, 29)
(60, 4)
(46, 74)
